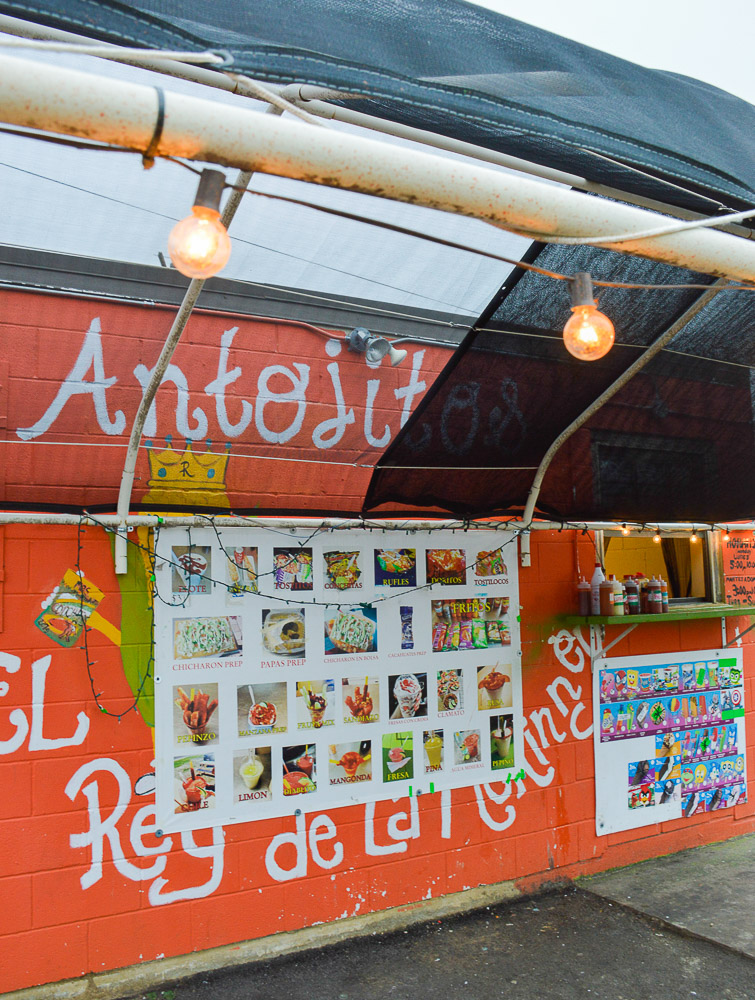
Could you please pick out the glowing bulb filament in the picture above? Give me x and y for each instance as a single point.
(199, 245)
(588, 334)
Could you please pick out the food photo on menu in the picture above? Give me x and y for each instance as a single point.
(350, 630)
(361, 699)
(501, 741)
(299, 769)
(641, 779)
(195, 715)
(292, 569)
(194, 783)
(315, 704)
(262, 709)
(398, 760)
(466, 747)
(252, 775)
(490, 564)
(395, 567)
(469, 623)
(198, 638)
(241, 570)
(446, 566)
(432, 745)
(494, 686)
(407, 696)
(191, 569)
(283, 632)
(450, 691)
(343, 570)
(406, 620)
(349, 763)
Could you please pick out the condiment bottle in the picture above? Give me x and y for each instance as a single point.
(618, 595)
(633, 595)
(664, 595)
(654, 599)
(597, 578)
(642, 584)
(583, 596)
(606, 598)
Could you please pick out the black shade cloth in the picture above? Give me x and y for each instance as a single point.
(465, 72)
(677, 442)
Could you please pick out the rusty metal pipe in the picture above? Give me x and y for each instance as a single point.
(65, 101)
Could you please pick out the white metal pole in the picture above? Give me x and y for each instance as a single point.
(65, 101)
(114, 521)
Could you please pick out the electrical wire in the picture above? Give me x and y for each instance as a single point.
(250, 243)
(153, 588)
(293, 544)
(402, 230)
(364, 220)
(117, 52)
(90, 663)
(676, 227)
(516, 263)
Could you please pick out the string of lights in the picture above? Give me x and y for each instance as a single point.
(90, 663)
(292, 543)
(200, 247)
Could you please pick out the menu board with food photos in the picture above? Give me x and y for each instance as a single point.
(669, 737)
(300, 671)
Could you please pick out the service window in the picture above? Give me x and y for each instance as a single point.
(692, 568)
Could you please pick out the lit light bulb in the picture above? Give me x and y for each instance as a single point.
(656, 537)
(588, 334)
(693, 536)
(199, 245)
(624, 529)
(726, 536)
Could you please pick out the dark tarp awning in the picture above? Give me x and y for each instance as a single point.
(676, 443)
(465, 72)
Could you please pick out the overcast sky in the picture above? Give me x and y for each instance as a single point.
(69, 201)
(703, 39)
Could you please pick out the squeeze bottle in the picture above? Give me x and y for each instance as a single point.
(598, 577)
(618, 595)
(583, 595)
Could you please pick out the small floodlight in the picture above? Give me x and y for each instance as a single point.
(373, 347)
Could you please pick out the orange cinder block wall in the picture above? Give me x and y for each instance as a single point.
(87, 887)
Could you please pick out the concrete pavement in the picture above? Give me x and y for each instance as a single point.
(706, 891)
(669, 929)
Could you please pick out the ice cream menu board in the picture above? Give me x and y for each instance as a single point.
(669, 737)
(300, 671)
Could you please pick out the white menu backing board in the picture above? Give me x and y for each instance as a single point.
(296, 671)
(669, 737)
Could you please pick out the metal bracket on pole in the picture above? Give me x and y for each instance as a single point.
(597, 634)
(598, 646)
(524, 548)
(121, 550)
